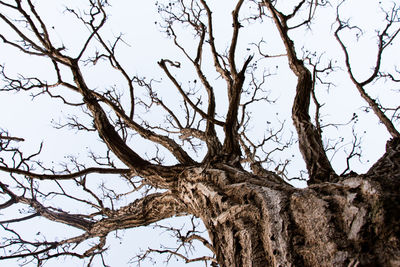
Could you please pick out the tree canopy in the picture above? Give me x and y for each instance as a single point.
(301, 93)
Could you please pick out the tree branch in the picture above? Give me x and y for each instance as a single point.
(360, 85)
(310, 143)
(68, 176)
(141, 212)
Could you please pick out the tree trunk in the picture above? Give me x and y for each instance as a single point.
(257, 221)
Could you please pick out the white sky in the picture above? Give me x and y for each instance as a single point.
(32, 119)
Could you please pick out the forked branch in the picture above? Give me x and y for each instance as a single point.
(310, 143)
(385, 38)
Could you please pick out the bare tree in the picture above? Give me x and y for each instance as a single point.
(237, 187)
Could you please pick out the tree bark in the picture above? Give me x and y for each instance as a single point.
(257, 221)
(253, 219)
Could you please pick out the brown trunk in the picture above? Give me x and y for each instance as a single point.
(253, 221)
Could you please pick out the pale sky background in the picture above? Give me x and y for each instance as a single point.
(32, 120)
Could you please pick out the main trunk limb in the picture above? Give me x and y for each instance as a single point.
(310, 143)
(259, 221)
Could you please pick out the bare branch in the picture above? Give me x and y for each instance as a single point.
(383, 40)
(310, 143)
(184, 95)
(65, 176)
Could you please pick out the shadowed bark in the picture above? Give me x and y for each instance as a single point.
(252, 215)
(255, 221)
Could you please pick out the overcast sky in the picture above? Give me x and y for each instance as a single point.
(145, 45)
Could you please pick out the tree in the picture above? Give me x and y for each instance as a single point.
(253, 216)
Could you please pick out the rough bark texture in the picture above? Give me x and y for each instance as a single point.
(253, 218)
(253, 221)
